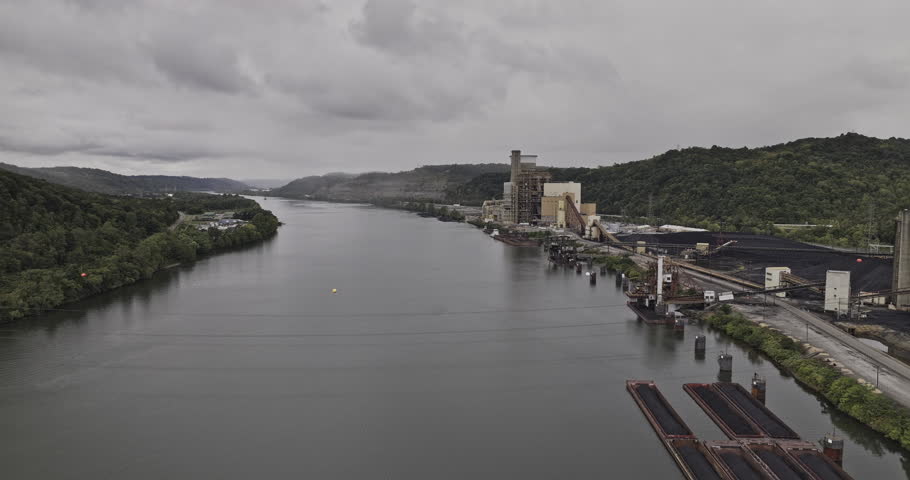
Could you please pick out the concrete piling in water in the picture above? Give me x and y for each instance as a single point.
(578, 268)
(700, 343)
(833, 448)
(593, 278)
(603, 270)
(679, 324)
(759, 388)
(725, 361)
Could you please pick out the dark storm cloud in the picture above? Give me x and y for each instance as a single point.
(307, 86)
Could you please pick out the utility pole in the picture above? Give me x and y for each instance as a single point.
(877, 368)
(807, 332)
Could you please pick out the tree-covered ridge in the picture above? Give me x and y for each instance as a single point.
(825, 181)
(102, 181)
(835, 181)
(60, 244)
(44, 225)
(427, 183)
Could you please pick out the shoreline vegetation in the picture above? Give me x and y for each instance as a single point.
(62, 244)
(428, 209)
(859, 400)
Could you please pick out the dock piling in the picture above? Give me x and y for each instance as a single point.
(833, 448)
(679, 324)
(725, 361)
(759, 388)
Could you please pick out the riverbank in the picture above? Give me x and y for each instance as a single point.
(37, 290)
(855, 397)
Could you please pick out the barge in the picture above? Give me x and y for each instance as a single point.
(761, 445)
(783, 466)
(730, 420)
(666, 422)
(647, 315)
(738, 462)
(696, 461)
(760, 415)
(820, 466)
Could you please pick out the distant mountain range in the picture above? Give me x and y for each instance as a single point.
(265, 183)
(438, 183)
(102, 181)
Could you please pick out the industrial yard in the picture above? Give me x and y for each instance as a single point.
(848, 309)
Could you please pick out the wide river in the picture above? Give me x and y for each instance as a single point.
(444, 354)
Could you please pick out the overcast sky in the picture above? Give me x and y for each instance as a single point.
(286, 88)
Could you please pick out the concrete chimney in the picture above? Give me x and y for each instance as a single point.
(901, 260)
(516, 166)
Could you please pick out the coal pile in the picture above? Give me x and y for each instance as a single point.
(819, 466)
(758, 413)
(871, 275)
(737, 424)
(697, 462)
(716, 239)
(661, 411)
(780, 465)
(735, 460)
(805, 260)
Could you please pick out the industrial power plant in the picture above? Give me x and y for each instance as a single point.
(853, 299)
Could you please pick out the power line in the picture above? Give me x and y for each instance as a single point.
(394, 344)
(348, 315)
(354, 334)
(523, 363)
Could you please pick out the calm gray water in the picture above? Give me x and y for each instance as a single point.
(445, 354)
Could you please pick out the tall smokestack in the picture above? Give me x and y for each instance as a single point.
(901, 273)
(516, 166)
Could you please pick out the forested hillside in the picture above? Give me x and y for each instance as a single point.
(102, 181)
(839, 181)
(853, 182)
(51, 235)
(844, 181)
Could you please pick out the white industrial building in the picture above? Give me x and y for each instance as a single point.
(772, 278)
(561, 189)
(837, 291)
